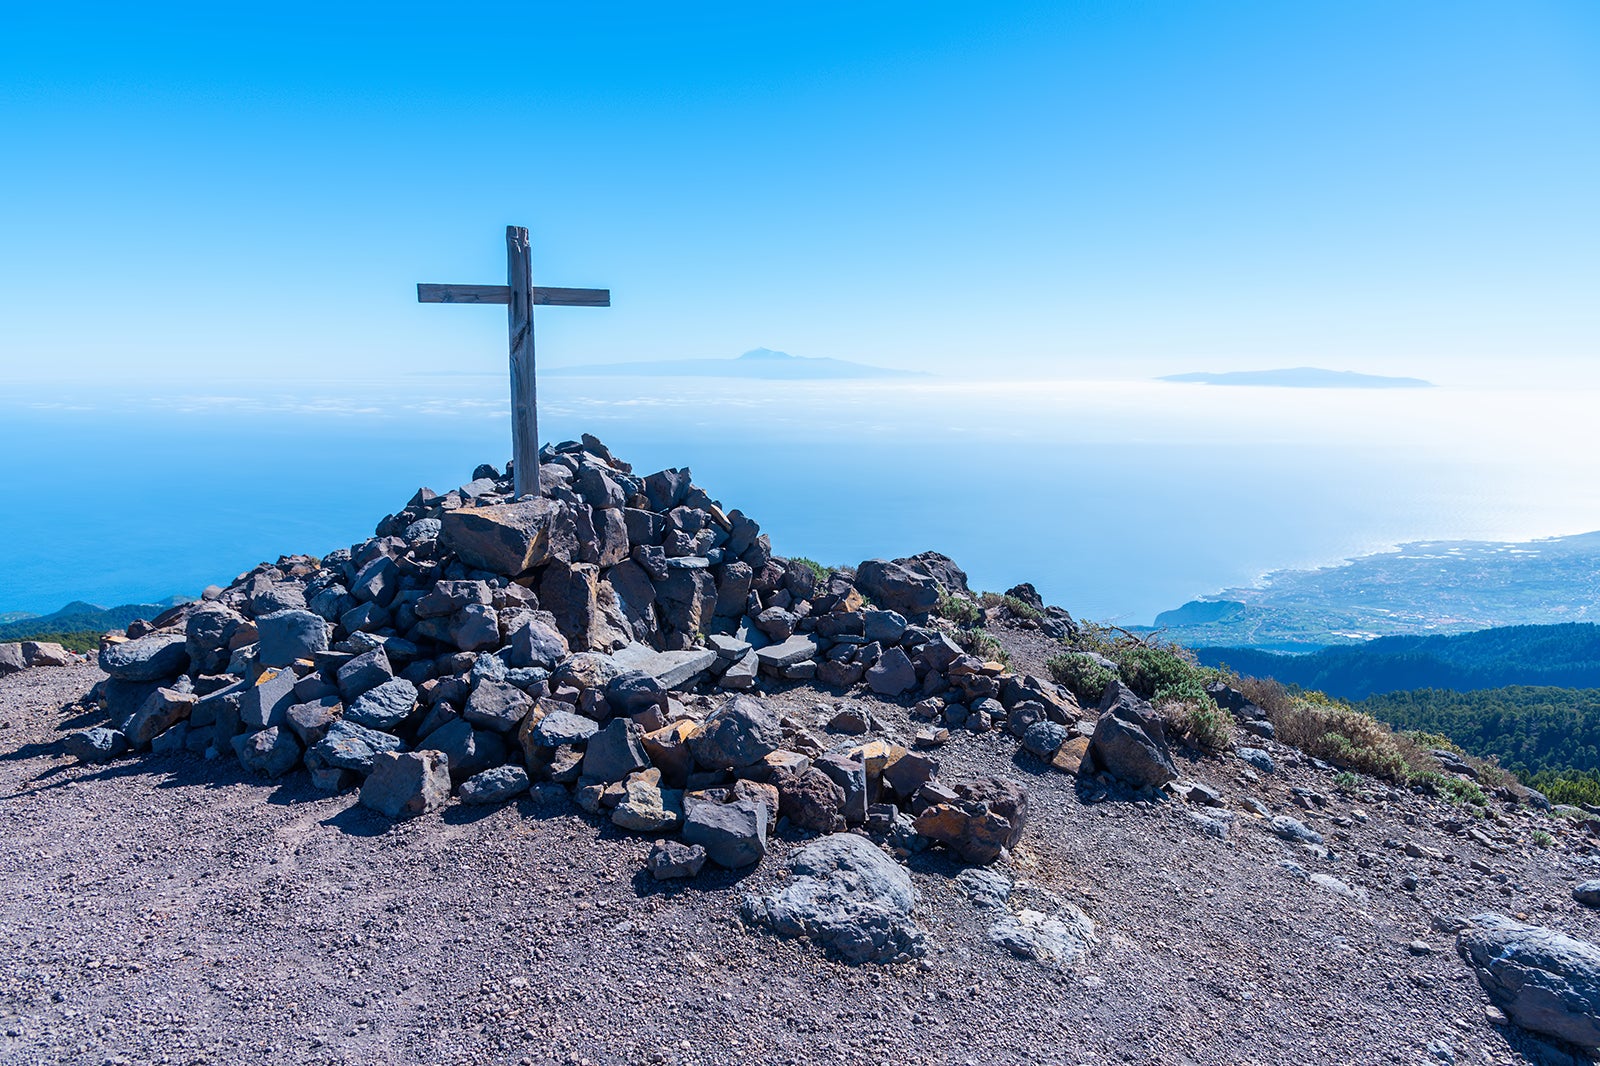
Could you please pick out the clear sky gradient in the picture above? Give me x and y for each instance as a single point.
(226, 192)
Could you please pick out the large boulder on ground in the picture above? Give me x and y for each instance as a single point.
(895, 587)
(164, 709)
(406, 784)
(1130, 741)
(987, 816)
(1544, 981)
(271, 752)
(494, 786)
(849, 897)
(512, 538)
(46, 653)
(1064, 938)
(670, 859)
(383, 706)
(740, 733)
(97, 745)
(11, 659)
(150, 658)
(733, 834)
(892, 675)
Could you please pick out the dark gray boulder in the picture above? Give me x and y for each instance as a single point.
(510, 539)
(671, 859)
(733, 834)
(267, 702)
(849, 897)
(740, 733)
(11, 658)
(1587, 893)
(367, 670)
(383, 706)
(893, 586)
(97, 745)
(348, 746)
(615, 751)
(1544, 981)
(470, 751)
(155, 657)
(892, 675)
(407, 784)
(494, 786)
(1130, 740)
(497, 705)
(271, 752)
(536, 643)
(289, 635)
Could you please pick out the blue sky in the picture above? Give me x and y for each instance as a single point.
(203, 195)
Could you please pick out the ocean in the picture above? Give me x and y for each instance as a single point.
(1117, 499)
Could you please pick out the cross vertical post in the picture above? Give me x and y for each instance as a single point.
(519, 296)
(524, 389)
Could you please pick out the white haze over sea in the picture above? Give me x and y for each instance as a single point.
(1118, 499)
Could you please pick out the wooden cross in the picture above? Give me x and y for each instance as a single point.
(519, 295)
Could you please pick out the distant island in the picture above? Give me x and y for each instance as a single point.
(1428, 587)
(758, 364)
(1300, 377)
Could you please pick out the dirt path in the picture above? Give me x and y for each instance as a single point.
(164, 909)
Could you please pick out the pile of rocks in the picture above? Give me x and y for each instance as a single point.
(27, 654)
(604, 641)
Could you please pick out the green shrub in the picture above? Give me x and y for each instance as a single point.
(815, 567)
(1347, 739)
(1543, 839)
(978, 642)
(1346, 780)
(1017, 608)
(1081, 673)
(1202, 724)
(1452, 788)
(1162, 673)
(960, 610)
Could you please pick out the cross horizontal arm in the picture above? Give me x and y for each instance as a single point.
(501, 294)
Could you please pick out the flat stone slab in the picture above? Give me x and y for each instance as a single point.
(673, 669)
(797, 649)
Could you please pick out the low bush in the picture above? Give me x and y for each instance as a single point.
(1203, 725)
(978, 642)
(812, 565)
(960, 610)
(1082, 673)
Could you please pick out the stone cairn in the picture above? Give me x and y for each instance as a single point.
(604, 641)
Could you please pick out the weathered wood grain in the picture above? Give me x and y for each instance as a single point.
(524, 391)
(545, 295)
(463, 294)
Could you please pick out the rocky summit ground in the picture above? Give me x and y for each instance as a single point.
(174, 910)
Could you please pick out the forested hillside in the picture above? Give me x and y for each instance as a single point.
(1556, 655)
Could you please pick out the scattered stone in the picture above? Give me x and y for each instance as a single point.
(892, 675)
(1130, 741)
(849, 897)
(733, 834)
(155, 657)
(407, 784)
(1064, 939)
(494, 786)
(290, 635)
(741, 732)
(671, 859)
(1294, 830)
(1257, 759)
(648, 808)
(98, 745)
(272, 752)
(1587, 893)
(1544, 981)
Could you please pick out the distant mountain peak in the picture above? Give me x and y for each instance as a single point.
(767, 353)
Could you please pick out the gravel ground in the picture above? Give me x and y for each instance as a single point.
(165, 909)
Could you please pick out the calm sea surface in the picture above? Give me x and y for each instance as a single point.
(1118, 499)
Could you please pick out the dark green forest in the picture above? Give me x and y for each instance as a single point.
(1557, 655)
